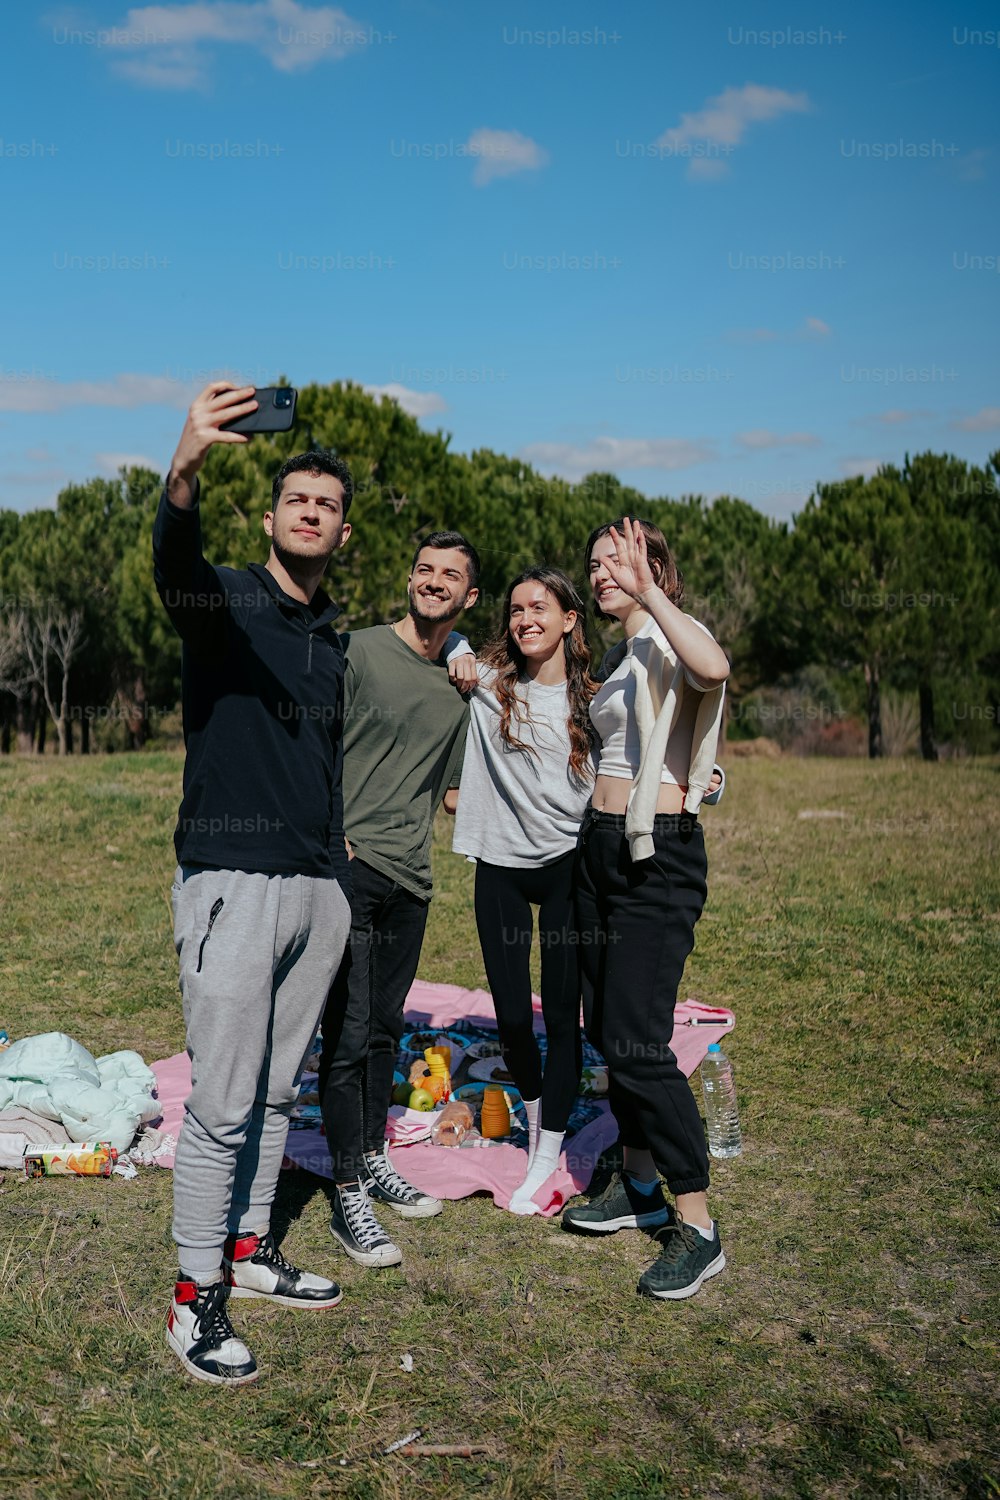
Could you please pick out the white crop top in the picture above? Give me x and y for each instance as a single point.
(612, 713)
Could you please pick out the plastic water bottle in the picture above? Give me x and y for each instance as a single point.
(721, 1114)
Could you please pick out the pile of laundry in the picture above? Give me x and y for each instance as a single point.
(53, 1091)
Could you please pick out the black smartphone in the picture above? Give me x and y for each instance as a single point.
(275, 411)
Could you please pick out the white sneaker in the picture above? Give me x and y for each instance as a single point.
(201, 1335)
(255, 1267)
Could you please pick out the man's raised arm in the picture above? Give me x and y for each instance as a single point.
(189, 587)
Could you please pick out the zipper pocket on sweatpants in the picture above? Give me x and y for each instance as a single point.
(216, 908)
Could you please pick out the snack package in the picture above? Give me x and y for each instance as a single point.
(452, 1124)
(83, 1159)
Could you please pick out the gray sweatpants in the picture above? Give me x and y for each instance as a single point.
(257, 957)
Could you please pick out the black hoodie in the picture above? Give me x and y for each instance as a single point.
(262, 686)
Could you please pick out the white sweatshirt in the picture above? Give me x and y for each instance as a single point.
(661, 686)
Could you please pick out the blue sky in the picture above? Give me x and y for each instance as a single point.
(710, 254)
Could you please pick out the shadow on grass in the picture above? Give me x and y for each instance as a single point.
(296, 1190)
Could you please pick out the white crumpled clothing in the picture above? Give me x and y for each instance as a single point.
(97, 1099)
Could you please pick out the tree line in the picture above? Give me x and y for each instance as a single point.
(883, 589)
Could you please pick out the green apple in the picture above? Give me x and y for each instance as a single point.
(421, 1099)
(401, 1093)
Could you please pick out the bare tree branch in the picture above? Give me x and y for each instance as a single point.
(48, 631)
(16, 675)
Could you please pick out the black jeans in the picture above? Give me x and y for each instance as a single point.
(363, 1019)
(636, 924)
(503, 915)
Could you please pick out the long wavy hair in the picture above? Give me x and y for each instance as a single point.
(661, 560)
(507, 659)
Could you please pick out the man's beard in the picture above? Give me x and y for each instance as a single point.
(292, 559)
(416, 613)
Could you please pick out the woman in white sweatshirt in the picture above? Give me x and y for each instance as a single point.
(640, 888)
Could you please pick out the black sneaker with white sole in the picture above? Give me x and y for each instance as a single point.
(357, 1230)
(201, 1335)
(620, 1206)
(686, 1259)
(255, 1267)
(384, 1185)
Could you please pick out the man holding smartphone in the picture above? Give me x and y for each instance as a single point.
(260, 916)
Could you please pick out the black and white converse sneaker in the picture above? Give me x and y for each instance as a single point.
(385, 1185)
(255, 1267)
(201, 1335)
(360, 1234)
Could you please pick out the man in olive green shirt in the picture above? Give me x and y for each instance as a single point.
(404, 737)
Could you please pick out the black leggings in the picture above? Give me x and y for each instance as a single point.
(503, 916)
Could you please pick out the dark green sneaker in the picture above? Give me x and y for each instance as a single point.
(686, 1259)
(620, 1206)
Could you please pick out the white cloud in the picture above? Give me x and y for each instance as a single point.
(170, 46)
(608, 454)
(984, 420)
(126, 390)
(130, 391)
(972, 166)
(810, 328)
(417, 403)
(110, 463)
(35, 490)
(896, 417)
(707, 169)
(760, 438)
(778, 499)
(866, 468)
(503, 153)
(724, 119)
(52, 475)
(783, 505)
(172, 69)
(753, 335)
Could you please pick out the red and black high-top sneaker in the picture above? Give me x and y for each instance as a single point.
(254, 1267)
(201, 1335)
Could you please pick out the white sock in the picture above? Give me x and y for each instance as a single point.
(201, 1279)
(706, 1234)
(531, 1109)
(543, 1164)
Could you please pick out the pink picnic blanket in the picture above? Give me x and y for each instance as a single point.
(448, 1172)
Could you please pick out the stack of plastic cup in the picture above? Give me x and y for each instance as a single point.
(438, 1064)
(494, 1116)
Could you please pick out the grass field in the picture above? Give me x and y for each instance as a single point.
(850, 1349)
